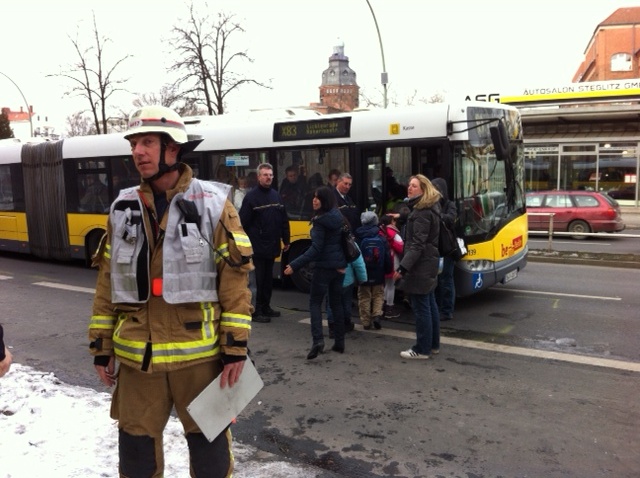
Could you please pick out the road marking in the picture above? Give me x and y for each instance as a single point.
(577, 296)
(5, 277)
(55, 285)
(509, 349)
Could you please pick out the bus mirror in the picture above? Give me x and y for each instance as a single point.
(500, 140)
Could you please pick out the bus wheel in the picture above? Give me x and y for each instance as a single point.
(91, 245)
(579, 226)
(302, 277)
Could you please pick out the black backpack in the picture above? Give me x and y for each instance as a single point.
(447, 241)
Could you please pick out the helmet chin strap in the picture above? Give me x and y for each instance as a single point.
(163, 168)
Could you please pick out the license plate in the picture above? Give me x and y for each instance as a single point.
(510, 276)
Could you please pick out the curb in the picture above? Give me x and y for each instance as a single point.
(604, 262)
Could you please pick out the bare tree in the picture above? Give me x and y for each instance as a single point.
(371, 102)
(80, 125)
(206, 60)
(434, 98)
(393, 100)
(170, 97)
(92, 79)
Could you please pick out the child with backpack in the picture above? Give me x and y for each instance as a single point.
(391, 233)
(377, 259)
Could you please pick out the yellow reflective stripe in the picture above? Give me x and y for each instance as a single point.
(133, 350)
(169, 352)
(207, 311)
(241, 239)
(235, 320)
(179, 355)
(222, 251)
(208, 314)
(107, 251)
(102, 322)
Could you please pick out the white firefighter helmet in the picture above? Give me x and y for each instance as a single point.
(160, 119)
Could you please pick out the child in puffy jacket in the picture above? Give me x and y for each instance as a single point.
(377, 259)
(391, 232)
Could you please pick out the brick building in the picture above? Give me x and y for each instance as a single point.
(339, 91)
(613, 52)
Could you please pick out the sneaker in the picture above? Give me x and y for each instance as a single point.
(260, 319)
(435, 351)
(376, 322)
(391, 312)
(412, 354)
(269, 312)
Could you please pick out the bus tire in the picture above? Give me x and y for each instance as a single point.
(579, 226)
(302, 277)
(91, 245)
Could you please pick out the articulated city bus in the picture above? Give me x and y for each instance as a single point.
(54, 197)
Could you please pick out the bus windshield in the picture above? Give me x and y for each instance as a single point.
(487, 190)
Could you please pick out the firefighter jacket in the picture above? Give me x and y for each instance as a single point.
(172, 291)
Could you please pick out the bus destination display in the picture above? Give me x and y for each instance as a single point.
(313, 129)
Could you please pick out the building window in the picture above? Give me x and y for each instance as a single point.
(621, 62)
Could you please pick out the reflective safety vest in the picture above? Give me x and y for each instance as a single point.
(189, 268)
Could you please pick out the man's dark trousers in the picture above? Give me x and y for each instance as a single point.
(264, 283)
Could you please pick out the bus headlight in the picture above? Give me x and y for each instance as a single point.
(479, 265)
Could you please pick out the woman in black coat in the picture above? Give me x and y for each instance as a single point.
(419, 265)
(329, 267)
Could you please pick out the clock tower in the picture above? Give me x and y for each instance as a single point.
(339, 91)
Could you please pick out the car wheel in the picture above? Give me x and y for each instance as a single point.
(578, 227)
(302, 277)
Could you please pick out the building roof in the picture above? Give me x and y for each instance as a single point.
(14, 116)
(622, 16)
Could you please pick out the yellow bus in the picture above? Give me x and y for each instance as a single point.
(57, 195)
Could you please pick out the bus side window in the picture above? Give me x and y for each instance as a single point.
(95, 197)
(6, 191)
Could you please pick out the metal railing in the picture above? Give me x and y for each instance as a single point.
(550, 232)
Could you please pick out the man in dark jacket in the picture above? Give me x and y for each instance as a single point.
(344, 202)
(445, 290)
(264, 219)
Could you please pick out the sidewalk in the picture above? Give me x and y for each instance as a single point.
(631, 216)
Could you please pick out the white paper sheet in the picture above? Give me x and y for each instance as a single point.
(215, 407)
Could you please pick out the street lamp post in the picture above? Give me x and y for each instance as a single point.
(25, 102)
(384, 77)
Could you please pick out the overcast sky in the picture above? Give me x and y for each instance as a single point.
(450, 47)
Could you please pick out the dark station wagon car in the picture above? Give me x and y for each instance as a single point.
(625, 192)
(574, 211)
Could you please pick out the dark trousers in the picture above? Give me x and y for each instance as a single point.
(326, 282)
(264, 283)
(446, 291)
(347, 305)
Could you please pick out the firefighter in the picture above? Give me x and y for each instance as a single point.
(172, 307)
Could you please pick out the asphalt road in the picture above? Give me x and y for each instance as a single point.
(535, 378)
